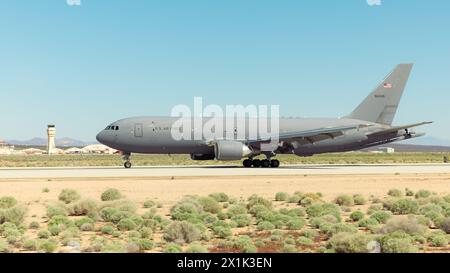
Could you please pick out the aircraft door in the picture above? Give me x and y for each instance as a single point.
(138, 130)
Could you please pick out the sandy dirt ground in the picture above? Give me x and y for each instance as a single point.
(168, 190)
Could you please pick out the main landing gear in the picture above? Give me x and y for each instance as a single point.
(256, 163)
(127, 163)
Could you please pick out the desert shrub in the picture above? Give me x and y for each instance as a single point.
(14, 214)
(69, 196)
(222, 229)
(223, 232)
(7, 202)
(356, 216)
(44, 234)
(144, 244)
(404, 206)
(304, 241)
(265, 225)
(423, 194)
(367, 222)
(60, 220)
(242, 242)
(196, 248)
(30, 245)
(70, 232)
(307, 201)
(339, 228)
(149, 204)
(406, 225)
(87, 227)
(87, 207)
(183, 232)
(250, 248)
(255, 200)
(430, 208)
(345, 200)
(34, 225)
(445, 225)
(395, 193)
(84, 220)
(288, 248)
(281, 196)
(172, 248)
(4, 246)
(58, 208)
(409, 192)
(381, 216)
(295, 199)
(188, 207)
(126, 224)
(47, 246)
(323, 220)
(317, 210)
(210, 219)
(296, 224)
(55, 230)
(146, 232)
(108, 229)
(359, 199)
(107, 213)
(374, 208)
(311, 234)
(349, 243)
(237, 210)
(111, 195)
(114, 247)
(209, 204)
(219, 197)
(242, 220)
(397, 242)
(295, 212)
(439, 241)
(45, 190)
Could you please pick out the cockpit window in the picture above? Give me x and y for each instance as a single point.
(107, 128)
(117, 128)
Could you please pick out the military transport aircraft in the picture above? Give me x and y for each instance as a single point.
(370, 124)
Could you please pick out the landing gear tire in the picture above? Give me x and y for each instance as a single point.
(247, 163)
(274, 163)
(127, 165)
(256, 163)
(265, 163)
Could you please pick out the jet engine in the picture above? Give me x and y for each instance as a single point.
(231, 150)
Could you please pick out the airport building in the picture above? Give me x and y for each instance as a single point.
(5, 148)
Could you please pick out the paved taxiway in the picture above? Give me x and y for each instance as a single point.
(208, 171)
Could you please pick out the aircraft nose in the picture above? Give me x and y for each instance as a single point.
(101, 137)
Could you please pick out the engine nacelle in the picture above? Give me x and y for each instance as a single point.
(203, 157)
(231, 150)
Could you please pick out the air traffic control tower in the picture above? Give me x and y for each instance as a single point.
(51, 132)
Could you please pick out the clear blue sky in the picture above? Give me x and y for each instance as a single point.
(83, 67)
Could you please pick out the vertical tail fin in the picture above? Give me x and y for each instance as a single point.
(381, 105)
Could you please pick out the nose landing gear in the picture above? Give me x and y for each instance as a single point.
(127, 163)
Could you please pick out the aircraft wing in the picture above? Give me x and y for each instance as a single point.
(397, 128)
(312, 136)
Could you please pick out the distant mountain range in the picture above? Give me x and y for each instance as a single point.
(60, 142)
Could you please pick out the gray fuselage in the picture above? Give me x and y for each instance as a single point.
(152, 135)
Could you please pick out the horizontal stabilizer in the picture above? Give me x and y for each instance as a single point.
(397, 128)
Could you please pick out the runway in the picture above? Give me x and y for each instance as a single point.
(212, 171)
